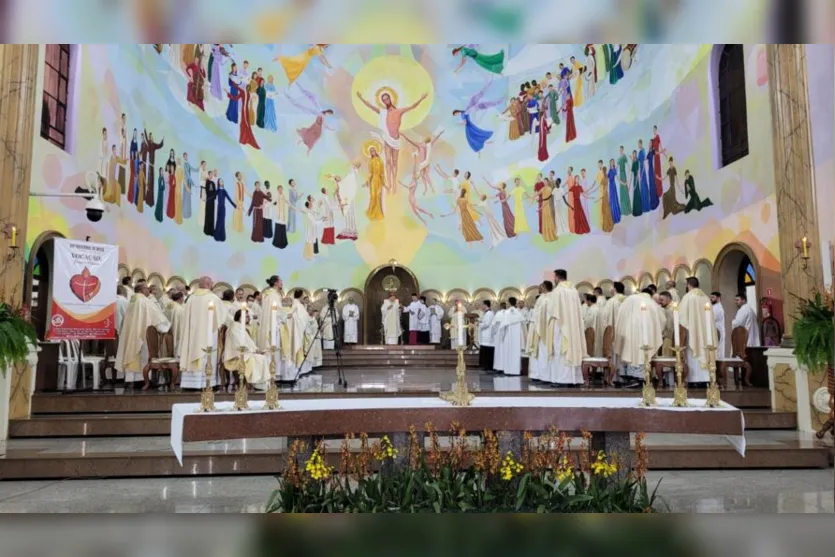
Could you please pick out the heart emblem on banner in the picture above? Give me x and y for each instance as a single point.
(85, 286)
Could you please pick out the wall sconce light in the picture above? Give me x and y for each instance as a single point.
(10, 231)
(802, 247)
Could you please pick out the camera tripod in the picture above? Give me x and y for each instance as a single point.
(337, 345)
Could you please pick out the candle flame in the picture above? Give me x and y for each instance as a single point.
(275, 306)
(643, 307)
(243, 306)
(211, 306)
(707, 307)
(675, 306)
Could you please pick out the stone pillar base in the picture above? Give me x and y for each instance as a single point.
(794, 389)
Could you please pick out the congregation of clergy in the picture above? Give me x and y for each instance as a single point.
(561, 331)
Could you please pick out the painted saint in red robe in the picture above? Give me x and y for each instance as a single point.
(544, 128)
(196, 80)
(246, 136)
(537, 188)
(655, 146)
(580, 222)
(570, 127)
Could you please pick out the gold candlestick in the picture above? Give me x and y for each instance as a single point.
(271, 402)
(241, 396)
(713, 397)
(680, 391)
(459, 395)
(207, 397)
(648, 398)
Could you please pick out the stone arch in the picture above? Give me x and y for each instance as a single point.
(156, 278)
(703, 270)
(645, 280)
(630, 284)
(42, 253)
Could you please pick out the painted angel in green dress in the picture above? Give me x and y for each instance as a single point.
(491, 62)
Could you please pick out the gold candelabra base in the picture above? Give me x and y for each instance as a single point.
(712, 396)
(648, 392)
(271, 402)
(680, 390)
(242, 394)
(459, 395)
(207, 397)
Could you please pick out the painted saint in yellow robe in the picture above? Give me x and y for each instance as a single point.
(295, 65)
(375, 186)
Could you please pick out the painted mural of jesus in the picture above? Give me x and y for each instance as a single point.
(389, 124)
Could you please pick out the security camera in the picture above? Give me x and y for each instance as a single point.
(94, 209)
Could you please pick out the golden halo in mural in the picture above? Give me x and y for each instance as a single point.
(366, 147)
(382, 91)
(391, 283)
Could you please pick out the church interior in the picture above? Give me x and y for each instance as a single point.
(408, 236)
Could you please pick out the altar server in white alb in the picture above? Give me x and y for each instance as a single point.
(350, 322)
(458, 308)
(391, 319)
(512, 323)
(568, 340)
(526, 314)
(204, 315)
(256, 365)
(745, 317)
(719, 321)
(436, 317)
(696, 315)
(415, 310)
(498, 338)
(485, 336)
(423, 321)
(132, 352)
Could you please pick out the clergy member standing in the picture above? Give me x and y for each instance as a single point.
(590, 321)
(176, 314)
(719, 319)
(326, 326)
(485, 337)
(569, 340)
(436, 317)
(496, 333)
(536, 365)
(299, 325)
(745, 317)
(640, 322)
(606, 320)
(671, 287)
(204, 315)
(350, 322)
(526, 315)
(132, 352)
(391, 319)
(414, 310)
(691, 313)
(256, 365)
(312, 342)
(512, 324)
(423, 322)
(272, 328)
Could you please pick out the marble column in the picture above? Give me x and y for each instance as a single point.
(793, 176)
(18, 84)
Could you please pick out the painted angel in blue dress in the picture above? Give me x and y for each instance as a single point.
(476, 137)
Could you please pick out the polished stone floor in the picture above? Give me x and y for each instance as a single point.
(767, 491)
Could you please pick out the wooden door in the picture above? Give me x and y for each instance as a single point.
(375, 294)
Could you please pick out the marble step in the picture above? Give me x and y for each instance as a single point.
(152, 457)
(155, 424)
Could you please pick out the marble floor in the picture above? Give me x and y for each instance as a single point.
(766, 491)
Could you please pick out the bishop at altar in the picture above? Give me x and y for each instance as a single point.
(391, 319)
(204, 314)
(639, 322)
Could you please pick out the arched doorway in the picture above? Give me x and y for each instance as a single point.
(736, 270)
(375, 293)
(37, 293)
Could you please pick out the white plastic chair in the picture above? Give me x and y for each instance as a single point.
(95, 364)
(67, 365)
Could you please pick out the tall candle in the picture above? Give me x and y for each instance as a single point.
(14, 236)
(274, 327)
(709, 324)
(460, 327)
(676, 334)
(644, 325)
(243, 314)
(211, 325)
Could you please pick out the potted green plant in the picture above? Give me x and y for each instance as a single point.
(814, 336)
(16, 334)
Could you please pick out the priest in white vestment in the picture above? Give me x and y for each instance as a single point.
(746, 317)
(719, 321)
(301, 329)
(122, 303)
(129, 291)
(691, 314)
(256, 365)
(423, 321)
(313, 342)
(350, 322)
(486, 346)
(534, 347)
(436, 317)
(273, 329)
(671, 287)
(607, 319)
(458, 307)
(326, 326)
(591, 321)
(391, 319)
(601, 299)
(132, 352)
(512, 323)
(569, 341)
(640, 321)
(176, 314)
(496, 334)
(526, 313)
(200, 330)
(414, 310)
